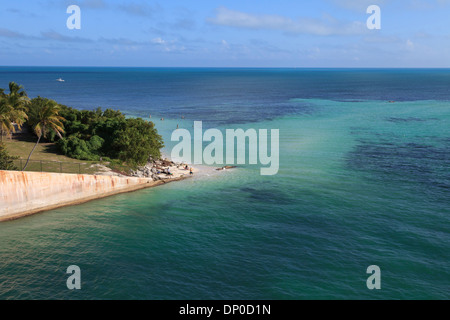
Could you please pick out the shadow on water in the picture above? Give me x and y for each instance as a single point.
(418, 165)
(267, 195)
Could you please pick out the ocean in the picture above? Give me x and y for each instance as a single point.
(364, 180)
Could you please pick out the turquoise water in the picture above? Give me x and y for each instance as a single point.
(361, 182)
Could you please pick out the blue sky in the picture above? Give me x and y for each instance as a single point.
(210, 33)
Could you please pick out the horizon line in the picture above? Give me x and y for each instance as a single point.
(211, 67)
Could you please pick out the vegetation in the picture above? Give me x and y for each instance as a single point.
(6, 161)
(95, 135)
(13, 107)
(79, 134)
(47, 152)
(43, 118)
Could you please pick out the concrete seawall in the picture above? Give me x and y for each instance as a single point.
(25, 193)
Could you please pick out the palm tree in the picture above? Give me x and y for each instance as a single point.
(13, 108)
(5, 117)
(44, 117)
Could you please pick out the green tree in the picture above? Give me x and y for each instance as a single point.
(13, 107)
(77, 148)
(43, 118)
(90, 135)
(6, 161)
(137, 141)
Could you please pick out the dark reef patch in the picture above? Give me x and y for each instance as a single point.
(418, 166)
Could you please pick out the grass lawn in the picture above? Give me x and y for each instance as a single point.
(52, 161)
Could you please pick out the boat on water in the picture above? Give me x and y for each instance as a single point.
(60, 80)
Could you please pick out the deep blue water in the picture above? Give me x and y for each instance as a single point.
(362, 181)
(222, 96)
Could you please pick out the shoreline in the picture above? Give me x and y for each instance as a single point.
(15, 216)
(27, 193)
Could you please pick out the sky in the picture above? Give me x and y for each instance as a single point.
(226, 33)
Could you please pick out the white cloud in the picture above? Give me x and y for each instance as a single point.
(168, 45)
(324, 27)
(159, 41)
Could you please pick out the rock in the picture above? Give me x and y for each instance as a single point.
(226, 167)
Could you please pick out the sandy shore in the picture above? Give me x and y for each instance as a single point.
(164, 169)
(161, 169)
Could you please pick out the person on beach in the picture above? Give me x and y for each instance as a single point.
(190, 171)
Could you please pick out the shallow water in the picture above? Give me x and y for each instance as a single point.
(361, 182)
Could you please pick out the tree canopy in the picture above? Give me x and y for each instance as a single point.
(91, 135)
(13, 107)
(44, 118)
(81, 134)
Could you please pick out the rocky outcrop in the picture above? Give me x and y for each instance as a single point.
(226, 167)
(161, 169)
